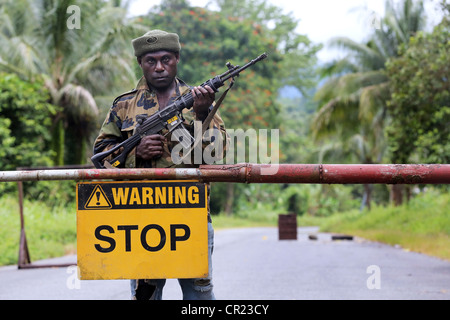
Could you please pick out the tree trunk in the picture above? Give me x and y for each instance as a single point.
(397, 194)
(58, 142)
(229, 200)
(367, 197)
(80, 151)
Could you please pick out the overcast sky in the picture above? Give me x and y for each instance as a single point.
(322, 20)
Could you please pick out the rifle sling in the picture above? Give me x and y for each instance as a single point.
(208, 119)
(215, 108)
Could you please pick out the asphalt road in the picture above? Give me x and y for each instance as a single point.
(253, 264)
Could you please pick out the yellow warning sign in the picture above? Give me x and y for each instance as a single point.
(98, 199)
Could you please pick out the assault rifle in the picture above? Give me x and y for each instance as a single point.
(170, 118)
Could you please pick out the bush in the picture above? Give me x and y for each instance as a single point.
(25, 122)
(26, 119)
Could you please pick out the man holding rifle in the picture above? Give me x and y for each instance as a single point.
(158, 55)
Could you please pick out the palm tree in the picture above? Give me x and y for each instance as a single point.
(77, 65)
(353, 100)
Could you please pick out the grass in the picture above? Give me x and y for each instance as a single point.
(248, 219)
(51, 232)
(423, 225)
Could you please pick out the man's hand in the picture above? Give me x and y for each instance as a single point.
(203, 99)
(151, 147)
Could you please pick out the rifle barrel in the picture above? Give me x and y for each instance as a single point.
(239, 70)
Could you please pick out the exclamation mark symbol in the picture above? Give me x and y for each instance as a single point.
(97, 194)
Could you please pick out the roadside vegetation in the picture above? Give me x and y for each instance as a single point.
(386, 101)
(50, 231)
(422, 225)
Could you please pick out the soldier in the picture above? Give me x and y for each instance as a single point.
(158, 54)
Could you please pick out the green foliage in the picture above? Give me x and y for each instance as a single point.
(236, 33)
(352, 103)
(83, 69)
(352, 117)
(296, 144)
(273, 199)
(209, 39)
(25, 132)
(25, 122)
(75, 64)
(421, 225)
(420, 87)
(250, 220)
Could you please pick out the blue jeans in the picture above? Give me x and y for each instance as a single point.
(193, 289)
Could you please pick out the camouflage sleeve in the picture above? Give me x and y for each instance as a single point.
(110, 134)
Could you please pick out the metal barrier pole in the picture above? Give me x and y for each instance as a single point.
(24, 261)
(24, 254)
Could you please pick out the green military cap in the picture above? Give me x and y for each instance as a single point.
(156, 40)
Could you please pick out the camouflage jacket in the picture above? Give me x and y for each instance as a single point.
(121, 121)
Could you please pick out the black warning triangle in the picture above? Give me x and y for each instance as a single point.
(98, 199)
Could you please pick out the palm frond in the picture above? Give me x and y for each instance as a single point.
(79, 102)
(20, 54)
(338, 67)
(336, 115)
(362, 54)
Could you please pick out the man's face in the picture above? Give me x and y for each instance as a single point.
(159, 68)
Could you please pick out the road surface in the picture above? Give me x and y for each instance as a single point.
(252, 264)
